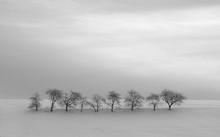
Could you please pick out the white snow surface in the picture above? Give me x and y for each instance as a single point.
(194, 118)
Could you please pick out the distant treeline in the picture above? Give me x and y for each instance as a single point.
(113, 100)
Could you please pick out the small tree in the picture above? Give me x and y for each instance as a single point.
(66, 101)
(54, 96)
(76, 97)
(35, 101)
(96, 103)
(171, 97)
(153, 99)
(82, 101)
(70, 99)
(113, 99)
(134, 99)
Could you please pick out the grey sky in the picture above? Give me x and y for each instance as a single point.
(99, 45)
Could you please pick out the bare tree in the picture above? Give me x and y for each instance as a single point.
(70, 99)
(134, 99)
(54, 96)
(113, 99)
(153, 99)
(82, 101)
(67, 101)
(96, 103)
(171, 97)
(35, 101)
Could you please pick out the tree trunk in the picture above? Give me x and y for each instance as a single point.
(81, 110)
(132, 106)
(154, 107)
(170, 107)
(97, 107)
(66, 108)
(52, 105)
(36, 108)
(112, 107)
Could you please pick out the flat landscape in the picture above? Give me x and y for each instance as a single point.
(196, 118)
(120, 61)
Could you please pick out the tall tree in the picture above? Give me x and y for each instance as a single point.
(113, 99)
(171, 97)
(54, 96)
(134, 99)
(154, 100)
(35, 101)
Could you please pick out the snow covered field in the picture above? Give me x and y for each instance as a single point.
(193, 119)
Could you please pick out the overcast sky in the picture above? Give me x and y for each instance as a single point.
(95, 46)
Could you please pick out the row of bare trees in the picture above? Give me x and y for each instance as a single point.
(133, 100)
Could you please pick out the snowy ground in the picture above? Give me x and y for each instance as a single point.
(192, 119)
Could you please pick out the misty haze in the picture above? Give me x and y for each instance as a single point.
(109, 68)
